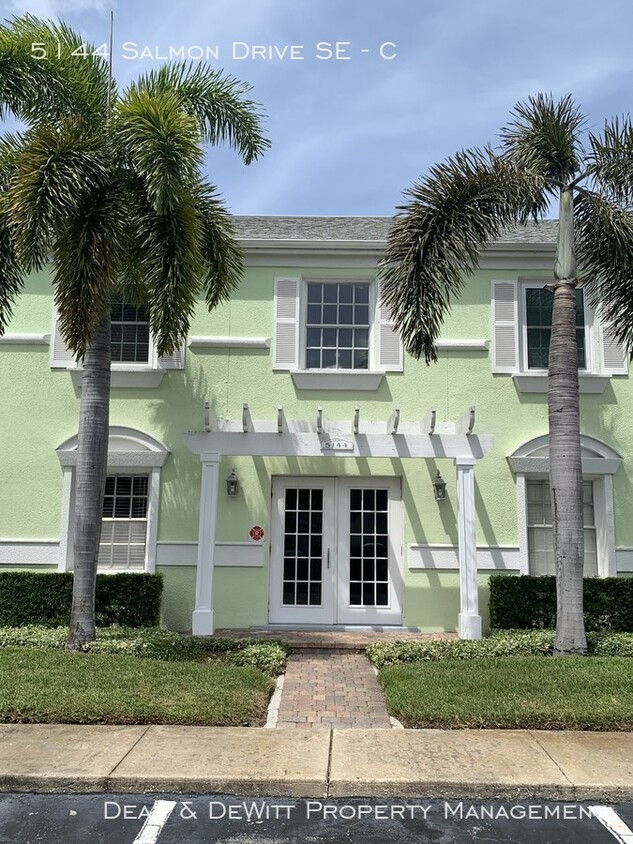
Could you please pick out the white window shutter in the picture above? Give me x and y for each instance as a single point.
(61, 356)
(174, 361)
(390, 351)
(286, 333)
(613, 354)
(505, 327)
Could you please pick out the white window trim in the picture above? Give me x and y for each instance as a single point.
(338, 379)
(599, 469)
(591, 380)
(123, 374)
(591, 355)
(142, 454)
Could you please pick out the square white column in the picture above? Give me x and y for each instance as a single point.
(202, 618)
(469, 620)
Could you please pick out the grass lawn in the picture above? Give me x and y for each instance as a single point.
(39, 686)
(576, 693)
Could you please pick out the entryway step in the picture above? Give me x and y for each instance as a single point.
(354, 640)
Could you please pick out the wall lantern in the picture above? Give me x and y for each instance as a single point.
(439, 487)
(233, 484)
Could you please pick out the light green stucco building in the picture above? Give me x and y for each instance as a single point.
(300, 385)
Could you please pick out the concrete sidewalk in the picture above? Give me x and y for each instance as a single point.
(320, 763)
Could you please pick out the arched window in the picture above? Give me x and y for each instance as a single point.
(130, 509)
(530, 463)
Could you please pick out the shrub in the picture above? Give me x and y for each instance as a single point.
(507, 643)
(528, 602)
(500, 643)
(152, 643)
(129, 600)
(269, 657)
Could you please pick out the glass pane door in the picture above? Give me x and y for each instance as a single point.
(368, 548)
(303, 547)
(301, 563)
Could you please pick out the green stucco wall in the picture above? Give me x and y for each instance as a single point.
(40, 409)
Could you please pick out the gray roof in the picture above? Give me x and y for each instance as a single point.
(361, 228)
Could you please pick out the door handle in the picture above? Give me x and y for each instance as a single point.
(328, 558)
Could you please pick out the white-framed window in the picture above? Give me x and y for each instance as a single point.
(135, 362)
(530, 465)
(124, 523)
(129, 528)
(333, 332)
(540, 531)
(521, 329)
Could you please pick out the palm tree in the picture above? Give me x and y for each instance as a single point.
(466, 202)
(107, 187)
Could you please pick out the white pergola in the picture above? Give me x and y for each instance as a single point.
(394, 438)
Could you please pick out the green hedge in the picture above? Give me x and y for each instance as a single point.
(502, 643)
(128, 600)
(528, 602)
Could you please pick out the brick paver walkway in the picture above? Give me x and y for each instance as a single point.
(331, 688)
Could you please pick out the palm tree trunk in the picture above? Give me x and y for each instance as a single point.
(90, 476)
(564, 445)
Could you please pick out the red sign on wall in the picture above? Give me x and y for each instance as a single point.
(256, 533)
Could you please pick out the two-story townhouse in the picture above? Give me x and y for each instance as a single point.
(291, 466)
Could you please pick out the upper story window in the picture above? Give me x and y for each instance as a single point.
(537, 327)
(521, 330)
(129, 332)
(334, 333)
(135, 362)
(337, 325)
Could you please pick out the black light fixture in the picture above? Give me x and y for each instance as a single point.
(439, 487)
(232, 484)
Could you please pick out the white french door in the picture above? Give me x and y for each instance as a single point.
(336, 554)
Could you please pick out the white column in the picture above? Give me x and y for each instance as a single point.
(469, 618)
(202, 619)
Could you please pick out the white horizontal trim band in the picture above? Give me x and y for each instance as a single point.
(29, 552)
(489, 558)
(229, 342)
(227, 554)
(466, 345)
(27, 339)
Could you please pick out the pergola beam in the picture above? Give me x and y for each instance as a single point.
(247, 422)
(394, 421)
(428, 422)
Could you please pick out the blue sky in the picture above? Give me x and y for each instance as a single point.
(349, 135)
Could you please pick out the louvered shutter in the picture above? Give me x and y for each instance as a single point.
(61, 356)
(505, 327)
(613, 353)
(174, 361)
(286, 334)
(390, 352)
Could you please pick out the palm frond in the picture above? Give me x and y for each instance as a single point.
(55, 168)
(611, 160)
(87, 261)
(544, 137)
(11, 274)
(218, 102)
(604, 247)
(457, 209)
(220, 251)
(160, 142)
(48, 71)
(168, 252)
